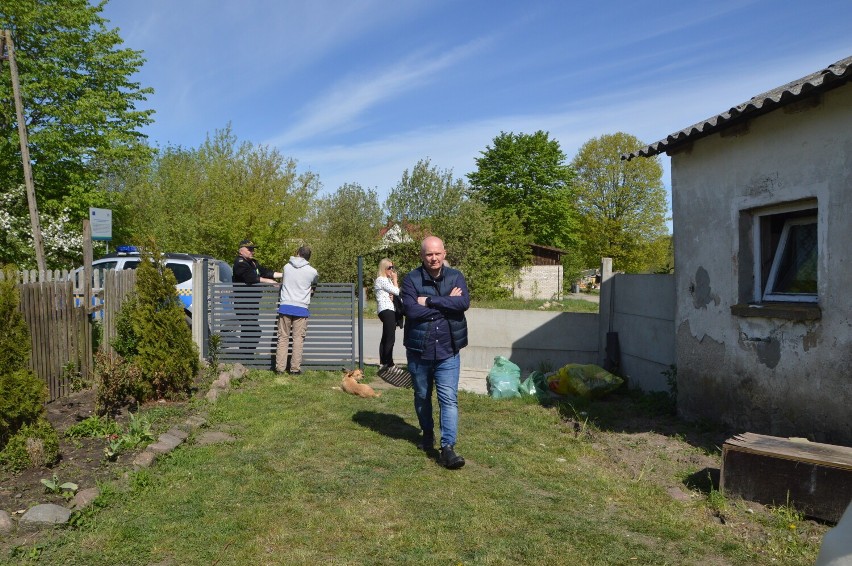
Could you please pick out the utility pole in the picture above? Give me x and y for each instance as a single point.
(25, 151)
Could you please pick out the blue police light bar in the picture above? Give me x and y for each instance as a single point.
(126, 249)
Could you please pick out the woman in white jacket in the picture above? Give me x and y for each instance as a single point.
(386, 288)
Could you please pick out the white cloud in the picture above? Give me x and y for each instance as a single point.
(341, 108)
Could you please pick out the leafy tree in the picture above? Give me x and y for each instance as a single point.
(424, 193)
(207, 200)
(527, 174)
(81, 116)
(346, 225)
(622, 203)
(422, 198)
(487, 245)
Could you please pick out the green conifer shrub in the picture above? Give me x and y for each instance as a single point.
(166, 354)
(15, 343)
(126, 342)
(22, 398)
(22, 394)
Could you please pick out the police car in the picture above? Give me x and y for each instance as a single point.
(182, 265)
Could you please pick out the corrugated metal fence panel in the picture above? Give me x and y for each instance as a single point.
(245, 318)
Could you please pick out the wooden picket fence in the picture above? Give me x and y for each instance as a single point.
(61, 328)
(118, 286)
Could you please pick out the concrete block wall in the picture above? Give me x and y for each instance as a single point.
(641, 310)
(533, 340)
(539, 282)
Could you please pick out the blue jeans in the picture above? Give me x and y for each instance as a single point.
(443, 375)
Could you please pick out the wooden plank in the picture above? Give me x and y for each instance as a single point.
(795, 449)
(814, 478)
(47, 341)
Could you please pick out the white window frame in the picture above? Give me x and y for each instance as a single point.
(760, 293)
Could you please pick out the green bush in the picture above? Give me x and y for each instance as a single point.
(117, 381)
(22, 394)
(93, 427)
(33, 445)
(126, 341)
(156, 355)
(22, 397)
(15, 343)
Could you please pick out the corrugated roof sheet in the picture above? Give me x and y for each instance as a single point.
(832, 76)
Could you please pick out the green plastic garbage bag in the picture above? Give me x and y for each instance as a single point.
(504, 379)
(535, 384)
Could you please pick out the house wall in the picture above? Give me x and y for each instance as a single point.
(765, 375)
(539, 282)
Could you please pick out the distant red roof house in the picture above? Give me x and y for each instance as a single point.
(395, 233)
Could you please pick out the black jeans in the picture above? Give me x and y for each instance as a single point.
(388, 318)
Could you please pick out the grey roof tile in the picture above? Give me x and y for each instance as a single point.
(832, 76)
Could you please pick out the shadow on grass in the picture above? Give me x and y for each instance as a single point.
(636, 411)
(393, 426)
(705, 480)
(388, 424)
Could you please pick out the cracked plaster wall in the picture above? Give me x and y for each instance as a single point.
(767, 375)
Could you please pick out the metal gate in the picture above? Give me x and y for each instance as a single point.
(245, 319)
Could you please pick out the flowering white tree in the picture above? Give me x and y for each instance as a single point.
(63, 242)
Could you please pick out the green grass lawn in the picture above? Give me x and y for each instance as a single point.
(317, 476)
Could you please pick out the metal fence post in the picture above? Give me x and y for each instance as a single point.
(204, 307)
(359, 290)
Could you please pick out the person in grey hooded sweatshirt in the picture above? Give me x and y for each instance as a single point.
(297, 287)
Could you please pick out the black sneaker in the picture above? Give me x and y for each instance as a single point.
(426, 443)
(449, 459)
(296, 372)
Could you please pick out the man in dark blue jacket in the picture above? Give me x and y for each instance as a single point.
(435, 298)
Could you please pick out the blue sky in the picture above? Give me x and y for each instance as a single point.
(359, 90)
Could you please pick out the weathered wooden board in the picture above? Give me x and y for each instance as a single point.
(814, 478)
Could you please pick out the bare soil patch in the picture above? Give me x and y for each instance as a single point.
(81, 461)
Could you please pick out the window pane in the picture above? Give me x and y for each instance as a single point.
(797, 271)
(105, 265)
(182, 272)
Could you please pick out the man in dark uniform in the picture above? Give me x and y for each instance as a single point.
(247, 270)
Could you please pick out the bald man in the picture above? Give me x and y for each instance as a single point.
(435, 298)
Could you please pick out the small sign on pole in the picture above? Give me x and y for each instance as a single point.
(100, 220)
